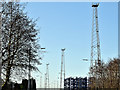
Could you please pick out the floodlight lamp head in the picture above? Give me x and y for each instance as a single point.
(47, 64)
(95, 4)
(63, 49)
(42, 48)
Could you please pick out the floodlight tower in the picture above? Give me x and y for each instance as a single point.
(45, 85)
(95, 44)
(47, 75)
(62, 60)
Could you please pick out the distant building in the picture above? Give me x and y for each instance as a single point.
(75, 83)
(21, 86)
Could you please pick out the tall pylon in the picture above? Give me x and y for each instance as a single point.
(47, 75)
(95, 44)
(45, 82)
(62, 60)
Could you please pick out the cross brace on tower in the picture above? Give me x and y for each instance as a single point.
(62, 62)
(95, 65)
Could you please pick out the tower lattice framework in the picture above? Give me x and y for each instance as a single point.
(95, 65)
(61, 73)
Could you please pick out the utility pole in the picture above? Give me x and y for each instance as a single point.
(62, 60)
(95, 46)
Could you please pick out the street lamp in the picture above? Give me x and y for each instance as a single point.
(85, 59)
(42, 48)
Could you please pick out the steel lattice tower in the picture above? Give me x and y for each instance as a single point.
(95, 45)
(62, 62)
(47, 75)
(45, 85)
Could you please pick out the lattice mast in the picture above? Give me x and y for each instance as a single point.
(95, 43)
(62, 60)
(45, 82)
(47, 75)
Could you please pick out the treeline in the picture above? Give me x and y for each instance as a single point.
(106, 75)
(19, 42)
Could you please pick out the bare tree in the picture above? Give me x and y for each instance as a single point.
(19, 34)
(109, 75)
